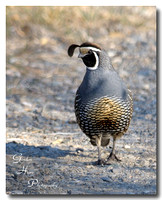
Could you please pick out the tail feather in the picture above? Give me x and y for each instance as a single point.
(104, 141)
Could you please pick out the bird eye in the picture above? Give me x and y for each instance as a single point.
(90, 51)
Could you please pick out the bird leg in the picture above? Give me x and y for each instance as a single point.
(99, 162)
(98, 142)
(112, 155)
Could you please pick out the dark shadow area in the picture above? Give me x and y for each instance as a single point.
(13, 148)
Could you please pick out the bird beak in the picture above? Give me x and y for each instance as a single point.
(80, 55)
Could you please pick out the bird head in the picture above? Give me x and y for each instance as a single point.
(88, 52)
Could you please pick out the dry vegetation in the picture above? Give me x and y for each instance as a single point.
(81, 23)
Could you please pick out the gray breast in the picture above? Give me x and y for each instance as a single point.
(103, 103)
(101, 82)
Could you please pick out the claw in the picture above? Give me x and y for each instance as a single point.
(101, 162)
(113, 157)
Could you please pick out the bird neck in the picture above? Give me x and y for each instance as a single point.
(105, 62)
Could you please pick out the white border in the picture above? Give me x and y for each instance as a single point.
(2, 100)
(84, 2)
(4, 3)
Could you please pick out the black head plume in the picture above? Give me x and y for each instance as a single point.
(71, 49)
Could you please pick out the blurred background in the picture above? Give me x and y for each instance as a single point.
(42, 81)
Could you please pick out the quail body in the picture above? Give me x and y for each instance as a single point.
(103, 104)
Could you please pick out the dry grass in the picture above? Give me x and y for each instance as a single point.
(81, 22)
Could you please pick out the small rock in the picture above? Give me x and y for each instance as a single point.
(146, 86)
(126, 146)
(112, 53)
(78, 150)
(69, 192)
(28, 104)
(15, 125)
(13, 60)
(89, 166)
(123, 73)
(107, 179)
(148, 116)
(58, 141)
(117, 60)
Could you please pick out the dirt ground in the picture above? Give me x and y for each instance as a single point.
(46, 151)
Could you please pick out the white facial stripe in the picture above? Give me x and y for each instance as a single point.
(97, 62)
(92, 48)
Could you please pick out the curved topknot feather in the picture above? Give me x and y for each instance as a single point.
(71, 49)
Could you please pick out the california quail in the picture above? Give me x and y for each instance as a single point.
(103, 104)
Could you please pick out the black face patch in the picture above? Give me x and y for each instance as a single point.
(89, 60)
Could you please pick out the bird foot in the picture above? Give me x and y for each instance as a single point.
(101, 162)
(113, 157)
